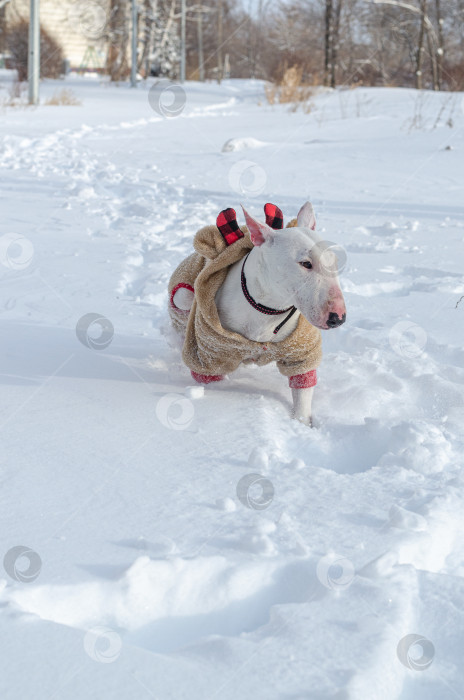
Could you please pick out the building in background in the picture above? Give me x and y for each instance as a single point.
(78, 26)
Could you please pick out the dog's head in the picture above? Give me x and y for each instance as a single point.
(302, 267)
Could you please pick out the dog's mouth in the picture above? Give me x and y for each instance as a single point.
(317, 324)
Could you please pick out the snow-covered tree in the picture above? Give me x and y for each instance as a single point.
(160, 38)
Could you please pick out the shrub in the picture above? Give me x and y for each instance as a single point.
(63, 97)
(290, 90)
(51, 53)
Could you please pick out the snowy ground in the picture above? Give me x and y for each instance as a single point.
(148, 577)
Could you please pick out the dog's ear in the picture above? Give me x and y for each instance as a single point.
(306, 217)
(259, 232)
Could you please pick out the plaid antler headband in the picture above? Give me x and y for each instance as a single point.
(228, 226)
(274, 216)
(230, 230)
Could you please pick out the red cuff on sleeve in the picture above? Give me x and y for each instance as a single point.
(206, 378)
(181, 285)
(303, 381)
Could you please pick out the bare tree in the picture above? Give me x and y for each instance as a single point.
(117, 65)
(420, 45)
(426, 30)
(441, 43)
(333, 9)
(372, 42)
(147, 17)
(3, 4)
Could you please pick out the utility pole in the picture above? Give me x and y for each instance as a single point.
(33, 59)
(201, 68)
(182, 41)
(134, 45)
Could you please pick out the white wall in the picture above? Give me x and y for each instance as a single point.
(74, 24)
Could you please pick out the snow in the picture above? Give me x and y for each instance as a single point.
(242, 144)
(190, 542)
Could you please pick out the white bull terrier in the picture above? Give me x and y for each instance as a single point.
(291, 269)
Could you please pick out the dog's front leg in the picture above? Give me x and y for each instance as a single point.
(302, 401)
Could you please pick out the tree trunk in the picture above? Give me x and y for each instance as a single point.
(201, 67)
(441, 43)
(220, 41)
(328, 41)
(433, 57)
(335, 43)
(148, 14)
(117, 64)
(420, 45)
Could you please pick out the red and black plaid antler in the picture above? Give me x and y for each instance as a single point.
(228, 226)
(274, 216)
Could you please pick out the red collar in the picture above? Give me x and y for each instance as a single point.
(260, 307)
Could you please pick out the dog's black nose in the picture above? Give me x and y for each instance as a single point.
(334, 320)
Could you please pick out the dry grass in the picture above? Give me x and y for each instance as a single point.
(16, 96)
(63, 97)
(291, 90)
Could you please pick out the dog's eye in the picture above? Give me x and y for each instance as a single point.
(308, 265)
